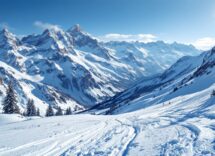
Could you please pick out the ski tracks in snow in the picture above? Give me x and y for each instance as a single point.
(114, 140)
(111, 136)
(190, 140)
(56, 143)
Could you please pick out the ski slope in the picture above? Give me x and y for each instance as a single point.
(186, 126)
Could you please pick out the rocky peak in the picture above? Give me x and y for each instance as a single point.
(50, 39)
(8, 40)
(75, 29)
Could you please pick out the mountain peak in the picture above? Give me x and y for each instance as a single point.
(4, 30)
(49, 32)
(7, 39)
(46, 32)
(75, 29)
(50, 39)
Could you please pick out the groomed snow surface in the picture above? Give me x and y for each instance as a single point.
(186, 126)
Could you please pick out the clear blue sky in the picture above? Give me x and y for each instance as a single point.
(171, 20)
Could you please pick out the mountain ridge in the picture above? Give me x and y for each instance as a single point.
(189, 75)
(71, 68)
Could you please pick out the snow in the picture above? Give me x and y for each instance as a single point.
(10, 118)
(183, 124)
(151, 118)
(86, 71)
(154, 57)
(183, 127)
(169, 129)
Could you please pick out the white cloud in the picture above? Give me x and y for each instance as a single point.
(204, 43)
(127, 37)
(43, 25)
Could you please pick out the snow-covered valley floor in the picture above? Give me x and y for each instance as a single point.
(184, 127)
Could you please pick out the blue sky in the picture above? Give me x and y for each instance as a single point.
(186, 21)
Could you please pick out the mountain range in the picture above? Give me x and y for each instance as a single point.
(189, 75)
(158, 98)
(74, 69)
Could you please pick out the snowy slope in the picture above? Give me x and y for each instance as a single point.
(157, 83)
(184, 127)
(10, 118)
(187, 76)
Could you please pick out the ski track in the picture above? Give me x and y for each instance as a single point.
(122, 132)
(179, 146)
(50, 146)
(114, 136)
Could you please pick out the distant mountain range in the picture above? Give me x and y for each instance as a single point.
(72, 68)
(191, 78)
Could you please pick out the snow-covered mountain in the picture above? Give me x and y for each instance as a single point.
(175, 116)
(171, 113)
(150, 58)
(187, 77)
(72, 68)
